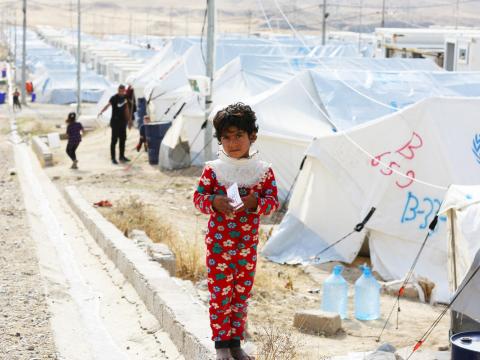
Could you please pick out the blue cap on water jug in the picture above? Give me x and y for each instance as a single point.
(337, 270)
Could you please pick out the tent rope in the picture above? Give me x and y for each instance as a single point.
(358, 228)
(408, 277)
(328, 118)
(432, 327)
(278, 214)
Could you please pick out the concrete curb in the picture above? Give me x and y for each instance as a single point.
(179, 313)
(42, 151)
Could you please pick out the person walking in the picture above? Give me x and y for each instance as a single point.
(74, 133)
(120, 120)
(16, 100)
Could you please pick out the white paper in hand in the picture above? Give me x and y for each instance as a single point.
(234, 195)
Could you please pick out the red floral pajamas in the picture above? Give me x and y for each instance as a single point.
(232, 252)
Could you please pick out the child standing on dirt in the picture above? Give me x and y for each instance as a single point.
(74, 133)
(16, 100)
(232, 236)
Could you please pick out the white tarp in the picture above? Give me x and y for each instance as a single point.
(431, 141)
(353, 97)
(462, 205)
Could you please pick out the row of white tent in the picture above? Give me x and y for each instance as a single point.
(114, 60)
(53, 72)
(341, 113)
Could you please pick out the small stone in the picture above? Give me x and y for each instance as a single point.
(317, 322)
(387, 348)
(17, 334)
(31, 348)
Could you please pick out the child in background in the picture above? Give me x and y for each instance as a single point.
(232, 236)
(74, 133)
(16, 100)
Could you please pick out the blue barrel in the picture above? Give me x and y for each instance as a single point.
(141, 112)
(466, 346)
(141, 107)
(4, 73)
(3, 96)
(34, 97)
(155, 133)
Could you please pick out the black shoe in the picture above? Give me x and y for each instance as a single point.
(114, 162)
(124, 159)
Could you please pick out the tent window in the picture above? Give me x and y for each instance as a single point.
(463, 55)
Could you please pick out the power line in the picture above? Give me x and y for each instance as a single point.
(328, 118)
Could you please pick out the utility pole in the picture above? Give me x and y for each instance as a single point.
(170, 22)
(130, 29)
(382, 24)
(457, 10)
(250, 14)
(24, 54)
(79, 59)
(147, 27)
(211, 11)
(15, 49)
(360, 27)
(324, 23)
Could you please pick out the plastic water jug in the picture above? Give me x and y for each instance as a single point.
(367, 296)
(335, 293)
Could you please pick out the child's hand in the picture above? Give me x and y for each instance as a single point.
(222, 204)
(250, 202)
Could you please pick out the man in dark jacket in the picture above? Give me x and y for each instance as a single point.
(121, 119)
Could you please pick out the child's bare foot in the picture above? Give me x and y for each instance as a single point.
(239, 354)
(224, 354)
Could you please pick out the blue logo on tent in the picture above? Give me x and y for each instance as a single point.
(476, 147)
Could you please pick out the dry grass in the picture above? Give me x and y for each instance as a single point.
(277, 344)
(34, 127)
(132, 213)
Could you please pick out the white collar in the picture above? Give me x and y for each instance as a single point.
(245, 172)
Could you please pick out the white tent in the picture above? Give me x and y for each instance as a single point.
(462, 206)
(353, 97)
(61, 87)
(430, 141)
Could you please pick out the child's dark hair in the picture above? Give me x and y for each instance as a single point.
(72, 117)
(239, 115)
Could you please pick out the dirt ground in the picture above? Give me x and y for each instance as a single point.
(280, 290)
(24, 317)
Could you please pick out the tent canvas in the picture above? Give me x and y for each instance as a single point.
(462, 206)
(340, 183)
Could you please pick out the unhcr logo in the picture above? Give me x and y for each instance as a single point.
(476, 147)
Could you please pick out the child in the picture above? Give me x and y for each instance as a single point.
(74, 133)
(16, 100)
(232, 235)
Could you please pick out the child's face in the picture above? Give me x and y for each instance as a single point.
(236, 143)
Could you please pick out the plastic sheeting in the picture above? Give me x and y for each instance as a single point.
(431, 141)
(462, 206)
(355, 97)
(61, 87)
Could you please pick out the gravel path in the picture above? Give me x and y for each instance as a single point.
(25, 331)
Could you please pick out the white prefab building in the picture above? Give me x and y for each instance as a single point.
(413, 43)
(409, 43)
(462, 53)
